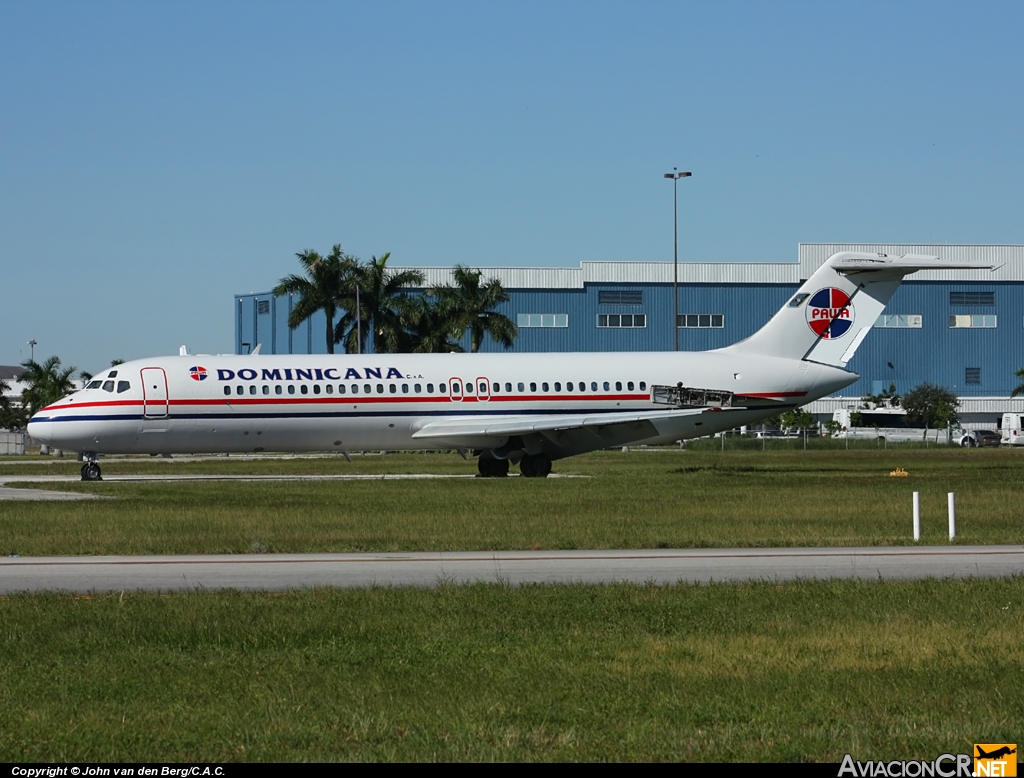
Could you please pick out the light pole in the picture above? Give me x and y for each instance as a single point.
(675, 176)
(32, 343)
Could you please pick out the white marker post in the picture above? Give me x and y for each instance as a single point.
(917, 516)
(952, 515)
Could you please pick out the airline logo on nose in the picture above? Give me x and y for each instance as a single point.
(829, 313)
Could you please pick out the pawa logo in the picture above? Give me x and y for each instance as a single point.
(198, 373)
(995, 759)
(829, 313)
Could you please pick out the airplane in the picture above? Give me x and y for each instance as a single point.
(527, 409)
(1003, 751)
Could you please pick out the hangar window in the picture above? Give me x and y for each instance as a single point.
(972, 298)
(972, 375)
(530, 320)
(960, 321)
(621, 297)
(626, 320)
(900, 321)
(262, 306)
(700, 320)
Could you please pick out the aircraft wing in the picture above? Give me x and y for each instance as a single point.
(599, 424)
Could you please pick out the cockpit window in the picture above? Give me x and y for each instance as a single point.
(108, 386)
(94, 385)
(112, 374)
(123, 386)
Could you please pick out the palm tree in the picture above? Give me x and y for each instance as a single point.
(433, 329)
(472, 304)
(46, 383)
(326, 282)
(1019, 372)
(385, 307)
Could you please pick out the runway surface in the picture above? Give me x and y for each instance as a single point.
(281, 572)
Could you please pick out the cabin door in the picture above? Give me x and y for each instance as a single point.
(154, 393)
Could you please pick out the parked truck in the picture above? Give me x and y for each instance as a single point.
(890, 425)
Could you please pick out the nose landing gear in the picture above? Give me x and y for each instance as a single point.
(91, 468)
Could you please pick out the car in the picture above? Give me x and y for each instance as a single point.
(980, 438)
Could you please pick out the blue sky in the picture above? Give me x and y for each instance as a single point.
(157, 158)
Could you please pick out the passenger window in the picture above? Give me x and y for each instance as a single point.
(544, 386)
(643, 386)
(239, 390)
(606, 386)
(558, 386)
(277, 389)
(392, 388)
(533, 386)
(508, 387)
(291, 388)
(355, 388)
(405, 388)
(367, 388)
(380, 388)
(496, 387)
(418, 388)
(521, 386)
(227, 390)
(108, 386)
(316, 388)
(123, 386)
(483, 387)
(266, 389)
(252, 388)
(456, 389)
(341, 388)
(593, 386)
(469, 387)
(430, 389)
(440, 388)
(304, 389)
(618, 386)
(329, 388)
(630, 386)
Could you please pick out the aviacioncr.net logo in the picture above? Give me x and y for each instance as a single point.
(829, 313)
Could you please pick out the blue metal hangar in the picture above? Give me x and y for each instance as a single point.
(963, 330)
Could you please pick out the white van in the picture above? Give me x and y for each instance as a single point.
(1011, 430)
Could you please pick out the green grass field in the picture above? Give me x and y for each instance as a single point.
(621, 500)
(806, 671)
(717, 673)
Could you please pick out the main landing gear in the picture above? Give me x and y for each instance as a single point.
(91, 468)
(492, 468)
(535, 466)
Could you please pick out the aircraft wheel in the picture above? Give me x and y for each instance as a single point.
(500, 468)
(492, 468)
(526, 466)
(91, 472)
(541, 466)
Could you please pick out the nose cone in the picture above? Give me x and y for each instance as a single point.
(40, 429)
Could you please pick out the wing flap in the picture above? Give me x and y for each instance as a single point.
(506, 426)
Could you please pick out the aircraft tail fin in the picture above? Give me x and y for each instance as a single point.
(833, 311)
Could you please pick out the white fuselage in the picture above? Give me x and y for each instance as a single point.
(214, 404)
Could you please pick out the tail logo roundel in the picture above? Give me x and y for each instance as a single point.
(829, 313)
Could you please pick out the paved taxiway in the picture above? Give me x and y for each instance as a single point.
(281, 572)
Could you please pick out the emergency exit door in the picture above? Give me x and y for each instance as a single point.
(154, 393)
